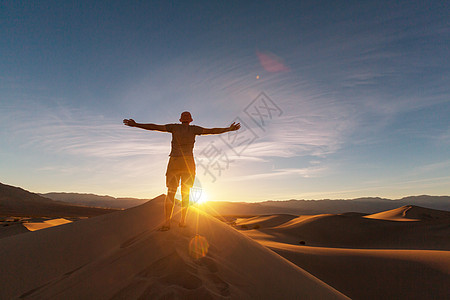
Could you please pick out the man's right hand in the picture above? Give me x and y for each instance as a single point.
(129, 122)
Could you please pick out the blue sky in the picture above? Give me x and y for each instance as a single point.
(362, 89)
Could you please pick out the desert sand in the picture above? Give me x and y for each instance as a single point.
(378, 256)
(122, 255)
(397, 254)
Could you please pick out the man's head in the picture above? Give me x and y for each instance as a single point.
(186, 117)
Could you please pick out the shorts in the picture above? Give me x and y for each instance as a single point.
(180, 168)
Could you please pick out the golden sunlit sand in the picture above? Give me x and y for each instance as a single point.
(411, 213)
(33, 226)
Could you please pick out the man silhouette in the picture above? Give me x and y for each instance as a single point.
(181, 164)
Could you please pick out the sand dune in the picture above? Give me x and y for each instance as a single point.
(122, 256)
(374, 274)
(396, 269)
(12, 229)
(411, 213)
(354, 231)
(265, 221)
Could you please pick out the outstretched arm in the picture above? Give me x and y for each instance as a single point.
(132, 123)
(232, 127)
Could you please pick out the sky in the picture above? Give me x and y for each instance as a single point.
(337, 99)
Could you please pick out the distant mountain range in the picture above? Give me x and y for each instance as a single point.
(15, 201)
(362, 205)
(369, 205)
(95, 200)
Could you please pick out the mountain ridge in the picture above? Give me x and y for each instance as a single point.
(90, 199)
(16, 201)
(367, 205)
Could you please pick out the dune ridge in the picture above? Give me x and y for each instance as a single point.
(411, 213)
(266, 220)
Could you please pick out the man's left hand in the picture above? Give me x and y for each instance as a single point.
(234, 126)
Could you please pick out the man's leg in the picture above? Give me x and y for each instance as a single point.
(168, 205)
(187, 181)
(185, 190)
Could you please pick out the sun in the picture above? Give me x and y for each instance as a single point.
(203, 197)
(198, 195)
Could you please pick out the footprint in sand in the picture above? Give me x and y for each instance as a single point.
(207, 262)
(178, 276)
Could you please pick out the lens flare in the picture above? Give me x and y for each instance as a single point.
(271, 63)
(198, 247)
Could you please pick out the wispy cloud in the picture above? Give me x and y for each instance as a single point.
(444, 138)
(307, 172)
(76, 132)
(83, 147)
(433, 167)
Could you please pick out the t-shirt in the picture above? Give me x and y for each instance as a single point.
(183, 138)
